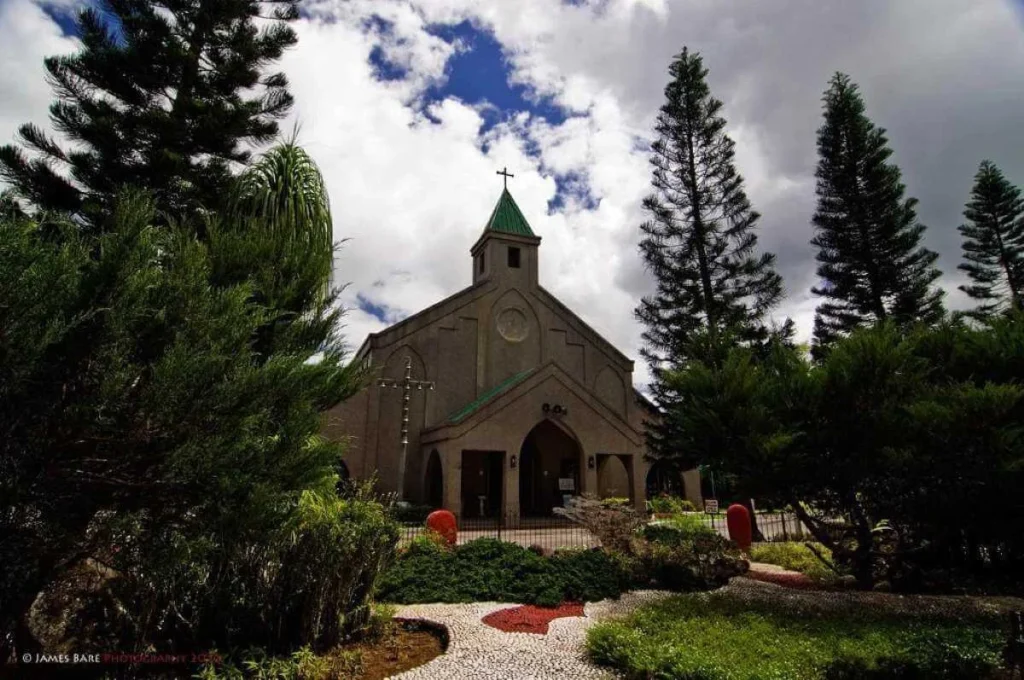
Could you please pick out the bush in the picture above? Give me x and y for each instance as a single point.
(337, 550)
(726, 636)
(664, 504)
(308, 583)
(684, 563)
(409, 513)
(795, 557)
(490, 570)
(590, 575)
(613, 525)
(676, 530)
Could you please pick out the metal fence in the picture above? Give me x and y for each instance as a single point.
(770, 527)
(547, 533)
(555, 533)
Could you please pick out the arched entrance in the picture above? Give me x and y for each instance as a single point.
(613, 478)
(549, 469)
(662, 478)
(434, 481)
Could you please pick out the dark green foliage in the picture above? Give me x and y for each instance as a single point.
(590, 575)
(167, 103)
(481, 570)
(994, 243)
(918, 429)
(700, 243)
(165, 423)
(490, 570)
(726, 635)
(870, 259)
(683, 557)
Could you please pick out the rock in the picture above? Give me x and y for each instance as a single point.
(78, 611)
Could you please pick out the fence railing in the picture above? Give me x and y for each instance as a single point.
(555, 533)
(771, 527)
(546, 533)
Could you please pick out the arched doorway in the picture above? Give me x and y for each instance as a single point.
(434, 481)
(549, 469)
(613, 477)
(662, 478)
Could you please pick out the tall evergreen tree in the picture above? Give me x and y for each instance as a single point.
(151, 389)
(700, 242)
(158, 97)
(870, 258)
(994, 242)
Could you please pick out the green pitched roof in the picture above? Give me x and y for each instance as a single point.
(473, 406)
(507, 217)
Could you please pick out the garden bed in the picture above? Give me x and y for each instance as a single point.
(410, 644)
(753, 630)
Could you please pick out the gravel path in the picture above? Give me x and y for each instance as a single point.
(477, 651)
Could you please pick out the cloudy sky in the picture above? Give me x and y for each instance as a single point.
(411, 106)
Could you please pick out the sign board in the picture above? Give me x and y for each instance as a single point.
(566, 484)
(711, 506)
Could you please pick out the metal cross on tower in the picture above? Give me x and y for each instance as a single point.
(406, 384)
(506, 174)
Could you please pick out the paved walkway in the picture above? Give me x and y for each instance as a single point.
(478, 652)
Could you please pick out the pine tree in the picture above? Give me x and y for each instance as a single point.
(994, 243)
(156, 98)
(870, 260)
(713, 288)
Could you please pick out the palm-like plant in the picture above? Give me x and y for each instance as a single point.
(276, 232)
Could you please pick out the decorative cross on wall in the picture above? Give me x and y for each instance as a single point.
(505, 174)
(406, 384)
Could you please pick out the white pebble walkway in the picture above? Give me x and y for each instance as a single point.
(478, 651)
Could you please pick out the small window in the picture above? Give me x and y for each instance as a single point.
(513, 258)
(482, 262)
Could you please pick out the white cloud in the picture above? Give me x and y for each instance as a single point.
(27, 36)
(412, 194)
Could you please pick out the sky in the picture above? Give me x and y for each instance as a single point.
(410, 107)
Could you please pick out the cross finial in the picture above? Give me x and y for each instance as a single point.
(505, 174)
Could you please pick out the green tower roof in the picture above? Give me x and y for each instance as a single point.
(507, 218)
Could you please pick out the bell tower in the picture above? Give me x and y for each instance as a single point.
(507, 250)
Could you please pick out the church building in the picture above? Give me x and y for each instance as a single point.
(514, 404)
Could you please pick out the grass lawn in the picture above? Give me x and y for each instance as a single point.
(795, 557)
(750, 630)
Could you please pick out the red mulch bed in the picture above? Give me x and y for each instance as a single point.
(784, 579)
(529, 618)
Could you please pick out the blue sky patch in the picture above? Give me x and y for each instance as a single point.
(379, 312)
(479, 73)
(63, 16)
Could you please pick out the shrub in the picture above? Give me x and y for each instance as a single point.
(590, 575)
(614, 526)
(482, 570)
(337, 550)
(694, 563)
(676, 530)
(410, 513)
(664, 504)
(491, 570)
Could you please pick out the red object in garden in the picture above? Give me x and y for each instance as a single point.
(443, 522)
(529, 618)
(738, 519)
